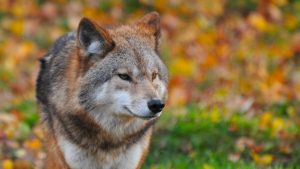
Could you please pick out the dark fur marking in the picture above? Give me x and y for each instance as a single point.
(61, 42)
(42, 92)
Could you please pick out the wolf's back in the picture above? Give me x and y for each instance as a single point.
(52, 67)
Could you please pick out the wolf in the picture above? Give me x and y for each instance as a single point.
(100, 91)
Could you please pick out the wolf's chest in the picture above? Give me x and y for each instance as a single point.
(77, 158)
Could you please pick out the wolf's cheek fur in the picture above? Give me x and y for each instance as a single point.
(122, 102)
(101, 92)
(126, 101)
(122, 99)
(113, 100)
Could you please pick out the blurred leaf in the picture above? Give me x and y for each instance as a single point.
(259, 22)
(265, 159)
(33, 144)
(23, 131)
(7, 164)
(182, 67)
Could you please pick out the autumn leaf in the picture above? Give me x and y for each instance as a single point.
(290, 21)
(265, 120)
(258, 22)
(33, 144)
(278, 125)
(7, 164)
(264, 159)
(279, 2)
(183, 66)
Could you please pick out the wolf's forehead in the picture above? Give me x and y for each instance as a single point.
(138, 54)
(138, 59)
(146, 57)
(135, 47)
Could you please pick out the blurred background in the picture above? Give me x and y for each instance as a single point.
(234, 79)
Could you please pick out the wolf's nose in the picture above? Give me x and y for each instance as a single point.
(155, 105)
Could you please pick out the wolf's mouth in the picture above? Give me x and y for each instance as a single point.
(143, 117)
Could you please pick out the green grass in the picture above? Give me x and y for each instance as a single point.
(197, 139)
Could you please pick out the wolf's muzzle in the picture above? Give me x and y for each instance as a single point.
(155, 105)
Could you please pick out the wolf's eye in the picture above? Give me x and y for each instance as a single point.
(154, 75)
(124, 77)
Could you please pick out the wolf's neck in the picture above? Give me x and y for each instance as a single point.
(84, 132)
(126, 158)
(80, 142)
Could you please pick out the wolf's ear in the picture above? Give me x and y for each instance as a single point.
(152, 20)
(93, 39)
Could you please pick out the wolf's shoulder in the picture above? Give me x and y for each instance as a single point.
(61, 45)
(52, 64)
(62, 42)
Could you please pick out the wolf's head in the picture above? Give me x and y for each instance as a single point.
(123, 74)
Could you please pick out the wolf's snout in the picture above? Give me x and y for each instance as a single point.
(155, 105)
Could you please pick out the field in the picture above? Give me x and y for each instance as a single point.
(234, 91)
